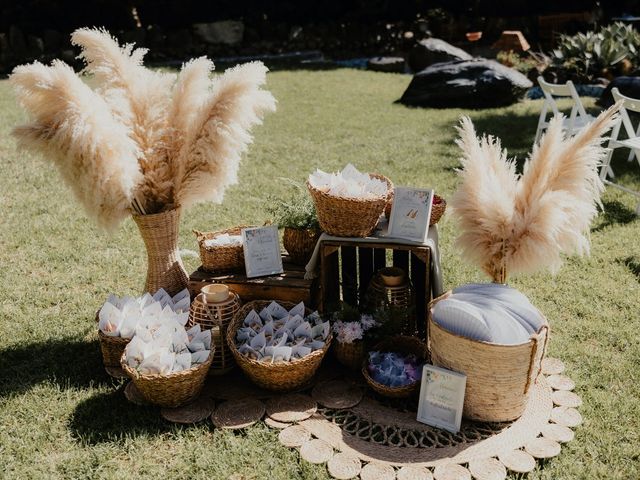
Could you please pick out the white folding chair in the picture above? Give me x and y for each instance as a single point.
(577, 119)
(632, 142)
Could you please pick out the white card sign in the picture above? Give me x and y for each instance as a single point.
(441, 398)
(261, 247)
(410, 213)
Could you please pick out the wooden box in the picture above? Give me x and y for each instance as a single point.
(347, 267)
(290, 286)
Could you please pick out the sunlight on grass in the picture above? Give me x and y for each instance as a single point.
(61, 416)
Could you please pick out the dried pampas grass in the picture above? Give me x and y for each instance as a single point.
(142, 141)
(523, 224)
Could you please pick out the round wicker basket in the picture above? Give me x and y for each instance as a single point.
(349, 217)
(400, 344)
(498, 376)
(216, 317)
(283, 376)
(300, 244)
(351, 355)
(170, 390)
(112, 349)
(220, 258)
(438, 208)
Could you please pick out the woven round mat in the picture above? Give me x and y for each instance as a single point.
(344, 466)
(487, 469)
(409, 472)
(293, 407)
(196, 411)
(234, 414)
(270, 422)
(518, 461)
(294, 436)
(337, 394)
(377, 471)
(451, 471)
(316, 451)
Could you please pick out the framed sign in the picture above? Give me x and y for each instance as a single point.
(441, 398)
(410, 213)
(261, 247)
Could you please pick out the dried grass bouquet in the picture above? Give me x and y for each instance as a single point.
(522, 223)
(141, 141)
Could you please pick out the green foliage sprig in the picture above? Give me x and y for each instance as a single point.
(298, 211)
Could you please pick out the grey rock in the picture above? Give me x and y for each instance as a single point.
(433, 50)
(228, 32)
(628, 86)
(386, 64)
(477, 83)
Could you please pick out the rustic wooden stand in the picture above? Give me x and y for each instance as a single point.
(346, 269)
(290, 286)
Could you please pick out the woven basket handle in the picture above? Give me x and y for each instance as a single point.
(534, 354)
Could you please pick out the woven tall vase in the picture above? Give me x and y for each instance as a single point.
(160, 234)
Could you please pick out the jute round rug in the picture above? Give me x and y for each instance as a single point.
(357, 434)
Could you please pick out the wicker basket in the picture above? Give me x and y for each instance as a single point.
(349, 217)
(112, 349)
(222, 258)
(283, 376)
(437, 209)
(300, 244)
(399, 344)
(498, 376)
(216, 317)
(165, 269)
(351, 355)
(170, 390)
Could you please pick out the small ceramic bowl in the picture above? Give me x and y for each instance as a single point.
(215, 292)
(392, 276)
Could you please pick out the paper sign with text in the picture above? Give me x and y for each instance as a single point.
(441, 398)
(410, 213)
(261, 247)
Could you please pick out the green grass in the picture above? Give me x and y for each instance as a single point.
(62, 417)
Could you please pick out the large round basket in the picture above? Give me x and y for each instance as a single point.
(349, 217)
(300, 244)
(285, 376)
(498, 376)
(399, 344)
(170, 390)
(112, 349)
(220, 258)
(216, 317)
(438, 207)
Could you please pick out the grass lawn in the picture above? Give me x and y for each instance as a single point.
(60, 414)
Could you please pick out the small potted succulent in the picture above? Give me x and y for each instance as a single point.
(297, 215)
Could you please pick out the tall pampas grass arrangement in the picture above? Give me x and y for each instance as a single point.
(523, 223)
(141, 141)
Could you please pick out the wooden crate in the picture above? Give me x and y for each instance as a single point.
(290, 286)
(346, 269)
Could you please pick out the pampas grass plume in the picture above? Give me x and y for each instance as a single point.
(524, 224)
(143, 140)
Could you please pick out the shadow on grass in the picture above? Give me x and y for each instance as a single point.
(67, 363)
(633, 264)
(109, 417)
(615, 213)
